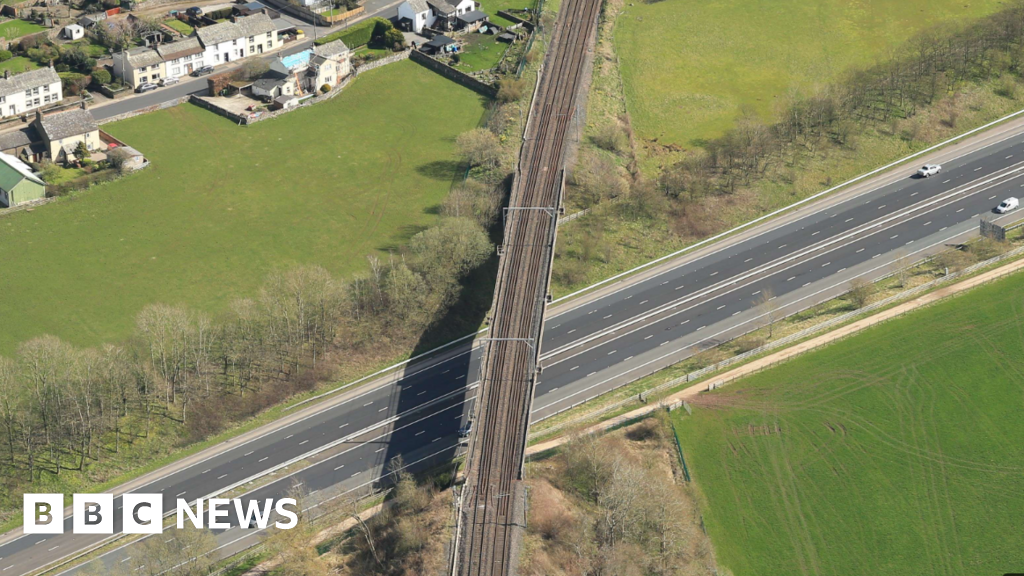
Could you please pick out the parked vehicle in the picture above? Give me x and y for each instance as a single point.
(202, 71)
(929, 170)
(169, 81)
(465, 430)
(194, 11)
(145, 87)
(1007, 205)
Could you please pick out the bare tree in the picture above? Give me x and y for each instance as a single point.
(901, 267)
(768, 309)
(860, 292)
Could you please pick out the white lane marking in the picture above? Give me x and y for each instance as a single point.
(422, 393)
(875, 256)
(882, 206)
(435, 440)
(736, 312)
(126, 559)
(756, 293)
(960, 210)
(221, 476)
(748, 260)
(627, 358)
(714, 273)
(702, 327)
(848, 220)
(1008, 157)
(343, 425)
(825, 264)
(367, 404)
(340, 467)
(840, 270)
(449, 370)
(790, 278)
(720, 307)
(943, 228)
(927, 223)
(420, 432)
(8, 568)
(356, 474)
(179, 495)
(683, 322)
(289, 436)
(946, 181)
(909, 242)
(646, 338)
(816, 233)
(607, 317)
(247, 454)
(644, 302)
(591, 374)
(264, 458)
(571, 331)
(382, 409)
(612, 352)
(978, 168)
(806, 285)
(783, 246)
(859, 251)
(894, 236)
(379, 450)
(54, 548)
(663, 343)
(303, 442)
(680, 287)
(914, 194)
(205, 471)
(573, 368)
(991, 197)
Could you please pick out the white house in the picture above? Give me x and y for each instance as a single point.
(437, 14)
(181, 57)
(230, 41)
(328, 65)
(28, 90)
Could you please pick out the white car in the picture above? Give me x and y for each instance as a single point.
(169, 81)
(929, 170)
(1007, 205)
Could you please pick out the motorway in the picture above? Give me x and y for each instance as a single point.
(603, 341)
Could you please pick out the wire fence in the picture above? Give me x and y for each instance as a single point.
(780, 343)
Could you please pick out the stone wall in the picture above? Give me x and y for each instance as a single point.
(457, 76)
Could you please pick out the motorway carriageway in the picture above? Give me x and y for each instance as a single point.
(654, 322)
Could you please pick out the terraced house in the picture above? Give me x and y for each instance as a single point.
(20, 93)
(211, 45)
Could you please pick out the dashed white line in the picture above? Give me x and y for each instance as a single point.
(264, 458)
(420, 432)
(379, 450)
(946, 181)
(825, 264)
(806, 285)
(715, 273)
(894, 236)
(303, 442)
(927, 223)
(663, 343)
(978, 168)
(289, 436)
(205, 471)
(859, 251)
(748, 260)
(756, 293)
(875, 256)
(914, 194)
(783, 246)
(246, 454)
(790, 278)
(840, 270)
(736, 312)
(340, 467)
(960, 210)
(848, 220)
(645, 338)
(815, 233)
(683, 322)
(612, 352)
(573, 368)
(382, 409)
(180, 494)
(591, 374)
(644, 302)
(991, 197)
(367, 404)
(221, 477)
(680, 287)
(607, 317)
(720, 307)
(571, 331)
(343, 425)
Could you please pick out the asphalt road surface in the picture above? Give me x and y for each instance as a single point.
(597, 345)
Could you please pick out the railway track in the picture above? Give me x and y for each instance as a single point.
(493, 503)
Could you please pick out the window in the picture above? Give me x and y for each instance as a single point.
(46, 88)
(28, 92)
(35, 102)
(252, 49)
(3, 99)
(252, 38)
(177, 72)
(35, 91)
(216, 57)
(269, 34)
(234, 42)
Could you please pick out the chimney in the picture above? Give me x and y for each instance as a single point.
(39, 114)
(83, 105)
(51, 62)
(7, 74)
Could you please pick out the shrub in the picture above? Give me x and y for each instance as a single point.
(5, 55)
(100, 77)
(394, 37)
(860, 292)
(325, 88)
(511, 89)
(611, 137)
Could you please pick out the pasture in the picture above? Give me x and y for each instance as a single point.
(223, 205)
(691, 68)
(896, 451)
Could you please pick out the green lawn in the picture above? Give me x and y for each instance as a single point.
(690, 68)
(179, 26)
(896, 451)
(12, 29)
(491, 7)
(481, 52)
(221, 206)
(18, 64)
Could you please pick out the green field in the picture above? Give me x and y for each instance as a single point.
(690, 68)
(179, 26)
(896, 451)
(491, 7)
(221, 206)
(12, 29)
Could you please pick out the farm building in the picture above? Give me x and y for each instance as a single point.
(17, 182)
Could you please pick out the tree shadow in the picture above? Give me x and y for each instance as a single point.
(443, 170)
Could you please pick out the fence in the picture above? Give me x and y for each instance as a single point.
(780, 343)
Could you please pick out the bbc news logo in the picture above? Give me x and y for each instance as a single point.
(143, 513)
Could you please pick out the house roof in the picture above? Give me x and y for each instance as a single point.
(441, 7)
(184, 47)
(271, 80)
(223, 32)
(20, 137)
(253, 6)
(335, 48)
(13, 171)
(256, 24)
(284, 98)
(68, 123)
(418, 5)
(473, 16)
(143, 57)
(439, 41)
(26, 80)
(297, 60)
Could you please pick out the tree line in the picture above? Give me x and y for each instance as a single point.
(923, 72)
(62, 406)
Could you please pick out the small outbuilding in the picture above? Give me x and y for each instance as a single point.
(73, 32)
(285, 102)
(437, 44)
(17, 182)
(472, 18)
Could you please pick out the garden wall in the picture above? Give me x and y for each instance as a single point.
(458, 76)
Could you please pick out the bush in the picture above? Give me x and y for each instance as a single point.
(5, 55)
(611, 137)
(100, 77)
(394, 38)
(325, 88)
(511, 89)
(860, 292)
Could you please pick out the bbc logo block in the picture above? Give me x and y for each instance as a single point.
(144, 513)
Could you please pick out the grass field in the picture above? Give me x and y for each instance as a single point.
(491, 7)
(690, 68)
(221, 206)
(896, 451)
(179, 26)
(12, 29)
